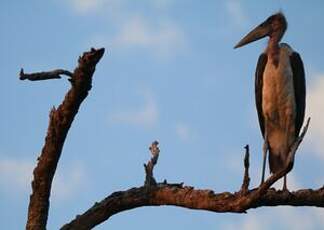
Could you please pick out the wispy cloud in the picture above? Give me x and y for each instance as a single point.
(236, 13)
(315, 109)
(285, 217)
(92, 6)
(183, 131)
(162, 38)
(146, 115)
(84, 6)
(16, 175)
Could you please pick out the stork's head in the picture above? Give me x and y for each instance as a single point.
(274, 27)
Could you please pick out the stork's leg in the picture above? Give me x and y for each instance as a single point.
(265, 149)
(289, 126)
(284, 188)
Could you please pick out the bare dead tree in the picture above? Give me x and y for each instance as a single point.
(60, 121)
(151, 193)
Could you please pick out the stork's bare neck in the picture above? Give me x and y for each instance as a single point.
(275, 36)
(273, 50)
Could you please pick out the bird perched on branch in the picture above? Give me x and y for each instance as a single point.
(279, 92)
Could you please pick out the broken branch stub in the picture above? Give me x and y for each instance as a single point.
(149, 178)
(246, 178)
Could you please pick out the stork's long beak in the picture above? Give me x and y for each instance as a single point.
(257, 33)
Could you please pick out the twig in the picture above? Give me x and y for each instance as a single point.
(54, 74)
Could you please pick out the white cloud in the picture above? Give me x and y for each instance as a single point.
(163, 38)
(88, 6)
(16, 175)
(92, 6)
(146, 115)
(183, 131)
(236, 13)
(285, 217)
(83, 6)
(159, 35)
(315, 109)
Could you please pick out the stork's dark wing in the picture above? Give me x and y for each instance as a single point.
(258, 88)
(299, 88)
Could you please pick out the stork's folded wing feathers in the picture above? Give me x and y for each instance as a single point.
(299, 88)
(262, 61)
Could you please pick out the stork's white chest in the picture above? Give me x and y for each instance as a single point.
(278, 96)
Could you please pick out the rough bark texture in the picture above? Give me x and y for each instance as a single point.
(60, 121)
(188, 197)
(152, 194)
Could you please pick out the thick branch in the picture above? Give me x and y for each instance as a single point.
(59, 123)
(188, 197)
(54, 74)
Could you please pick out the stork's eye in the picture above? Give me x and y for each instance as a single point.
(263, 24)
(270, 19)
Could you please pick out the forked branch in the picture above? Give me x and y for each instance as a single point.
(59, 124)
(188, 197)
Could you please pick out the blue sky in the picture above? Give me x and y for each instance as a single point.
(169, 73)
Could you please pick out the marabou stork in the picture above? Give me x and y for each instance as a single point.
(279, 92)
